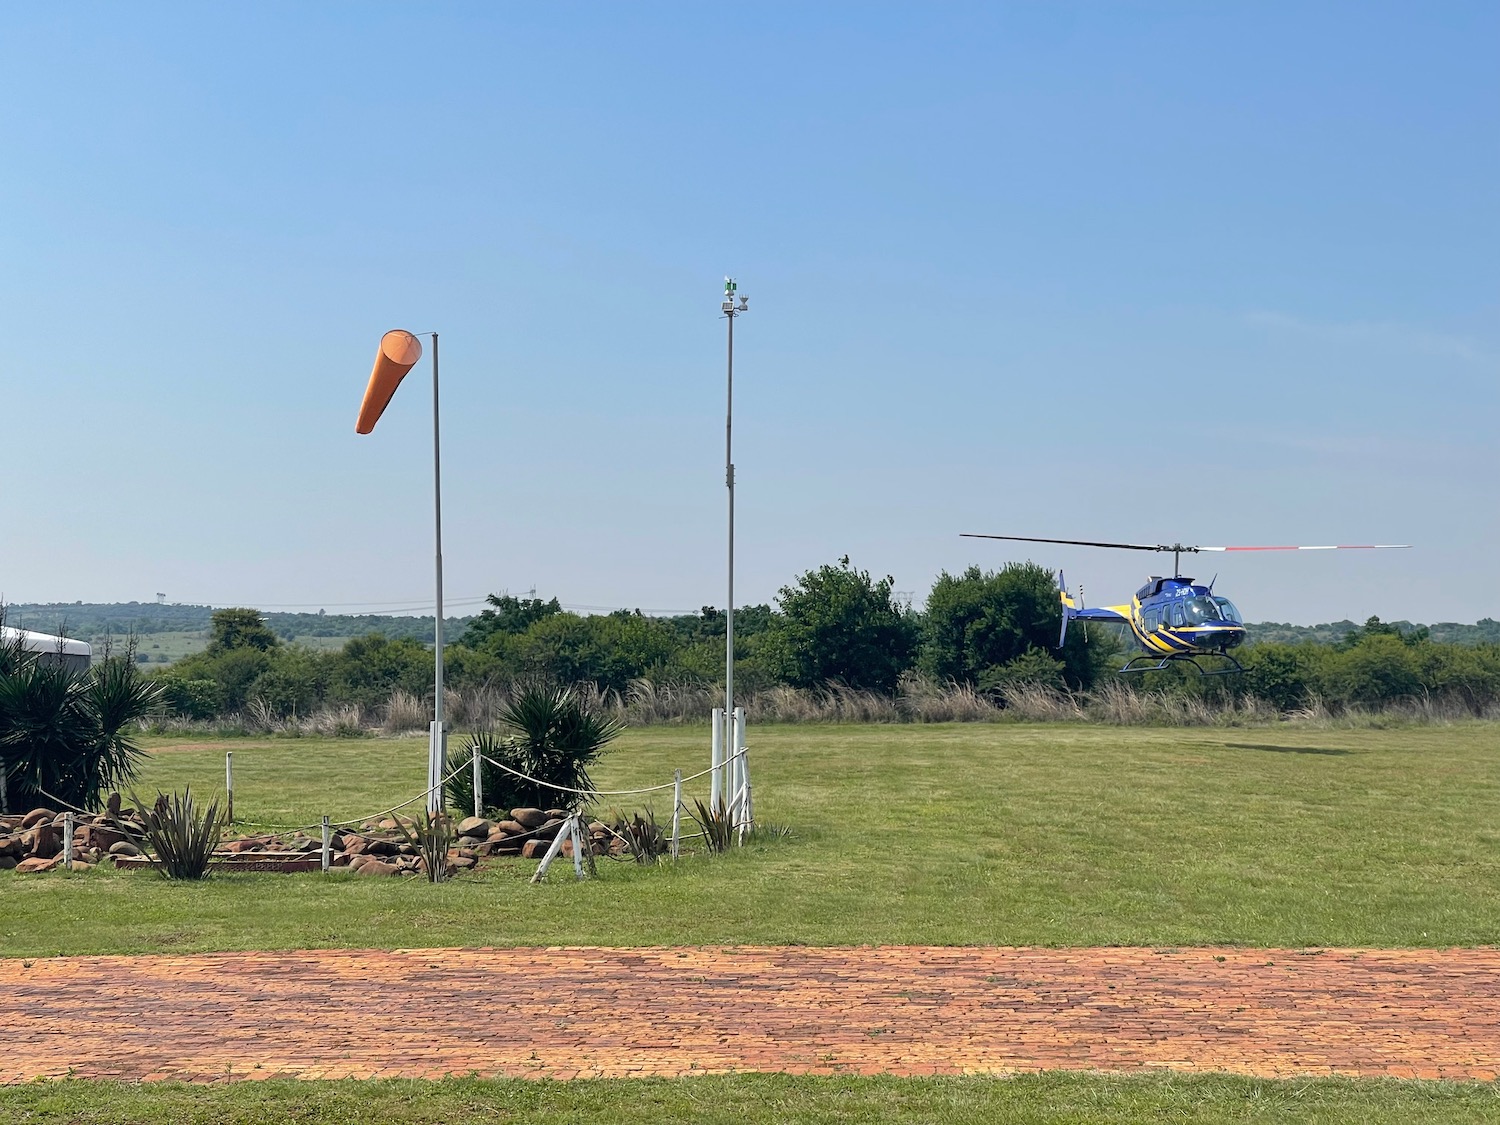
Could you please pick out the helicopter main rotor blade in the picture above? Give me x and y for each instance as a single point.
(1069, 542)
(1184, 549)
(1337, 547)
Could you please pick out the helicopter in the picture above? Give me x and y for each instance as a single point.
(1176, 619)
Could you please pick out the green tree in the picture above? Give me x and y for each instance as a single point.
(507, 616)
(990, 628)
(240, 628)
(836, 624)
(369, 668)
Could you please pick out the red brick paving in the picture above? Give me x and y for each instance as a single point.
(565, 1013)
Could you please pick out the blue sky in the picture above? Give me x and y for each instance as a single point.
(1217, 273)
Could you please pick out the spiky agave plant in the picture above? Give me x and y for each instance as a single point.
(181, 834)
(717, 826)
(432, 835)
(646, 840)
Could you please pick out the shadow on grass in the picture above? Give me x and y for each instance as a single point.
(1325, 750)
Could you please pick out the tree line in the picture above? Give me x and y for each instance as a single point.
(835, 625)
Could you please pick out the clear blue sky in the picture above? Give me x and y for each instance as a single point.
(1223, 273)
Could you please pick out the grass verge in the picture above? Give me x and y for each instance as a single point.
(961, 834)
(1052, 1098)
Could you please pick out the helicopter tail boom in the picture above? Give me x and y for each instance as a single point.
(1072, 611)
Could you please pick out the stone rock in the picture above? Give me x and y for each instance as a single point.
(529, 818)
(377, 867)
(558, 814)
(506, 849)
(12, 846)
(535, 849)
(508, 828)
(37, 863)
(95, 836)
(124, 847)
(382, 847)
(355, 845)
(8, 862)
(476, 826)
(35, 817)
(45, 842)
(460, 862)
(60, 819)
(549, 830)
(80, 865)
(389, 824)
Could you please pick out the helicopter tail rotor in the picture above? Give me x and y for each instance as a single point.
(1069, 608)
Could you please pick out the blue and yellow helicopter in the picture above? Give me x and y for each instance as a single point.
(1172, 619)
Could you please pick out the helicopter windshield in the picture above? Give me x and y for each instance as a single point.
(1201, 610)
(1230, 613)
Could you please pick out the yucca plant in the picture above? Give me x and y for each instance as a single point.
(65, 735)
(646, 840)
(555, 735)
(181, 834)
(432, 834)
(717, 826)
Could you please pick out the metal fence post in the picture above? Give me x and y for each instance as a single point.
(327, 844)
(677, 814)
(478, 785)
(229, 781)
(67, 841)
(716, 761)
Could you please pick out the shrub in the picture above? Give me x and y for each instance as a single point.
(646, 840)
(64, 734)
(554, 737)
(181, 835)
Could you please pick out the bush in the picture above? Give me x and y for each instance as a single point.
(181, 835)
(64, 735)
(555, 736)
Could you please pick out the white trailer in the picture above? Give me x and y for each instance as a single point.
(71, 654)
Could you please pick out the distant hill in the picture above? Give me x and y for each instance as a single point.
(1485, 631)
(92, 621)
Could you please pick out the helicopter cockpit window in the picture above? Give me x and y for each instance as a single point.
(1202, 610)
(1226, 607)
(1177, 619)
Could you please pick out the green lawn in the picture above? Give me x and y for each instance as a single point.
(964, 834)
(1053, 1098)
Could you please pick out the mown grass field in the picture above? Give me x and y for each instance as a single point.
(962, 834)
(1043, 1099)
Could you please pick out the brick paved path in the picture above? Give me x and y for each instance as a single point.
(611, 1012)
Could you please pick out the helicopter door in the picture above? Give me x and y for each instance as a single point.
(1178, 620)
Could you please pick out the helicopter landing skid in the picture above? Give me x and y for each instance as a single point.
(1131, 667)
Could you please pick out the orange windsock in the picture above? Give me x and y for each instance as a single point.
(398, 354)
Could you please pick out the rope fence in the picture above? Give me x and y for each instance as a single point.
(573, 828)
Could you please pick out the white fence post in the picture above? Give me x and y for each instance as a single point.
(67, 841)
(229, 781)
(478, 785)
(716, 761)
(741, 764)
(327, 845)
(677, 814)
(552, 853)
